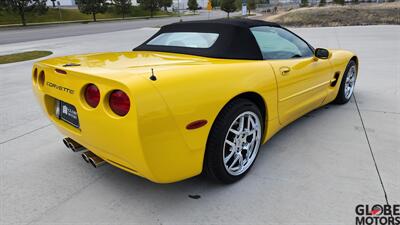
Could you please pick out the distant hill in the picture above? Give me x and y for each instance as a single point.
(335, 15)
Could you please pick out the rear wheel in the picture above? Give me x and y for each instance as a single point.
(234, 141)
(346, 88)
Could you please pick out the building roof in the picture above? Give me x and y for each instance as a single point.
(235, 40)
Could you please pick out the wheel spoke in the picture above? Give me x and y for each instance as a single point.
(226, 159)
(241, 124)
(249, 123)
(252, 133)
(240, 161)
(249, 135)
(250, 150)
(230, 143)
(234, 131)
(234, 161)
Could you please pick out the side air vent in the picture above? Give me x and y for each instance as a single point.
(335, 79)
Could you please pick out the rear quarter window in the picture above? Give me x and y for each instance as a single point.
(185, 39)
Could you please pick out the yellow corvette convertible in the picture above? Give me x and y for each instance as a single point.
(198, 96)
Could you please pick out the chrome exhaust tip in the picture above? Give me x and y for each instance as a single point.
(96, 161)
(66, 142)
(73, 145)
(87, 155)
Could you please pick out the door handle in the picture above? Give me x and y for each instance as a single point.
(284, 70)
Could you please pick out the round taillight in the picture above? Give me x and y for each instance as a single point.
(92, 95)
(119, 102)
(41, 79)
(35, 76)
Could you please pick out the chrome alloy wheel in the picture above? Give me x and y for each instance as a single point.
(242, 143)
(350, 82)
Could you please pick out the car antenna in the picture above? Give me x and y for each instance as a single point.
(152, 77)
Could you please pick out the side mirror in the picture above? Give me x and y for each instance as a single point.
(321, 53)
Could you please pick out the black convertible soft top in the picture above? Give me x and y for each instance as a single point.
(235, 40)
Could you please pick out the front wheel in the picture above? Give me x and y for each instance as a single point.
(346, 88)
(234, 141)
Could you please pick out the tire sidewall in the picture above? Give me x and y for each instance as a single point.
(341, 97)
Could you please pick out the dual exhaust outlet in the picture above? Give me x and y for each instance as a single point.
(88, 156)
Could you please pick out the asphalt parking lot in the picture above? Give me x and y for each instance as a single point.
(314, 171)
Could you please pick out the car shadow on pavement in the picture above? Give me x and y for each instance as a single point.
(313, 156)
(280, 146)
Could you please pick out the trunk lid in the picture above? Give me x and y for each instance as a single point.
(119, 64)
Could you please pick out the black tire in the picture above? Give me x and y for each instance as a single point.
(213, 166)
(341, 96)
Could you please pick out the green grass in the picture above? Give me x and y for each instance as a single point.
(23, 56)
(53, 15)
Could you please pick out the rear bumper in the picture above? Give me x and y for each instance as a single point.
(145, 142)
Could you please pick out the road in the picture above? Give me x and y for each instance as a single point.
(315, 171)
(22, 34)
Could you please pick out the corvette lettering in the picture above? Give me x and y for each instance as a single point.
(59, 87)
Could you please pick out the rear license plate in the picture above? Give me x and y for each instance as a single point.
(68, 113)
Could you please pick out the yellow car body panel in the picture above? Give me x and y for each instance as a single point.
(152, 140)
